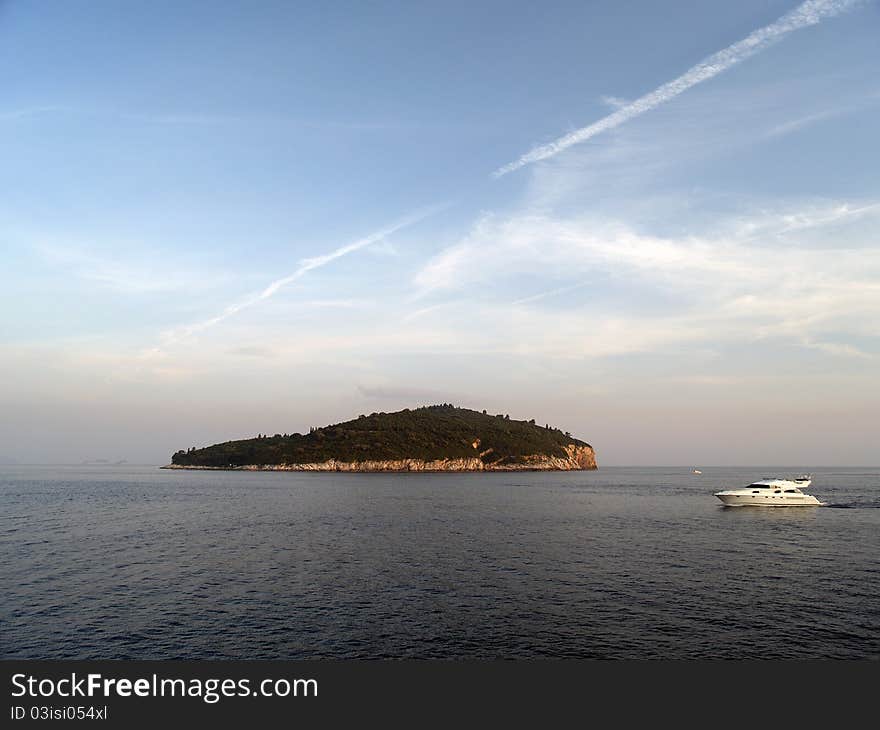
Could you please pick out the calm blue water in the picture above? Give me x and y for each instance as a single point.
(125, 562)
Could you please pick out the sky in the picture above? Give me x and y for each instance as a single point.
(655, 225)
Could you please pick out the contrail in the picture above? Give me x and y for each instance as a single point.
(305, 265)
(808, 13)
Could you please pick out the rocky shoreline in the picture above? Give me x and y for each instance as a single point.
(578, 458)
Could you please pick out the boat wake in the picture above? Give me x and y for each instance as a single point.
(853, 505)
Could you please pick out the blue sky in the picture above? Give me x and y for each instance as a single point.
(220, 219)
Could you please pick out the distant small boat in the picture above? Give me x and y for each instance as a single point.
(696, 471)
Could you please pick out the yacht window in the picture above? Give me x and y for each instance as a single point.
(756, 492)
(778, 491)
(790, 491)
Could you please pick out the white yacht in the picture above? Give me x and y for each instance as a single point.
(771, 492)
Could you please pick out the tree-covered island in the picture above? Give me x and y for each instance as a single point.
(431, 438)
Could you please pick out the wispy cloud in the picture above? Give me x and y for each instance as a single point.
(549, 293)
(127, 276)
(252, 351)
(835, 348)
(187, 118)
(401, 393)
(614, 102)
(417, 313)
(795, 125)
(305, 266)
(807, 14)
(776, 224)
(724, 285)
(833, 112)
(27, 112)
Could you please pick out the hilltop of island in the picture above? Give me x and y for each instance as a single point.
(432, 438)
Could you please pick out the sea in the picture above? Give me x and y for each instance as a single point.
(125, 562)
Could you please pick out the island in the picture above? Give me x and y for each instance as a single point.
(428, 439)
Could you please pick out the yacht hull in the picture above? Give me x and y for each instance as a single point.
(768, 500)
